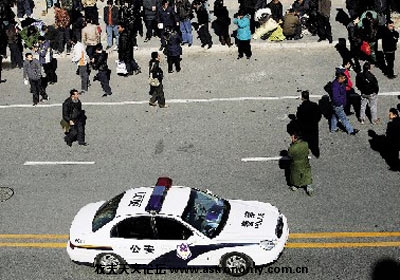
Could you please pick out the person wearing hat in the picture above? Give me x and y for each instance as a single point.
(73, 115)
(156, 92)
(338, 103)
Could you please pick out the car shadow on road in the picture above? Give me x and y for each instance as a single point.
(385, 269)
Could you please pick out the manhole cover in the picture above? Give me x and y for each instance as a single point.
(6, 193)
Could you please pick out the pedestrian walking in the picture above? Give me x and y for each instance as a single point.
(99, 63)
(308, 116)
(166, 20)
(32, 74)
(174, 51)
(81, 59)
(243, 35)
(46, 60)
(62, 23)
(393, 139)
(300, 168)
(1, 69)
(111, 20)
(323, 15)
(202, 24)
(368, 85)
(156, 91)
(74, 116)
(338, 102)
(90, 37)
(125, 51)
(15, 45)
(390, 38)
(149, 18)
(184, 11)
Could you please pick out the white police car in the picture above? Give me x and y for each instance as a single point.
(174, 226)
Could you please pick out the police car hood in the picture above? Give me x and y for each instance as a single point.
(82, 223)
(250, 221)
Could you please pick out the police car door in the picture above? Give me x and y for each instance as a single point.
(133, 240)
(174, 239)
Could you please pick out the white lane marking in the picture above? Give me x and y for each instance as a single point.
(257, 159)
(182, 101)
(59, 162)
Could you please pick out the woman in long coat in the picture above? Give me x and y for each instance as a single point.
(300, 168)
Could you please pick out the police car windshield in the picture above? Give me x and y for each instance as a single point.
(206, 213)
(106, 212)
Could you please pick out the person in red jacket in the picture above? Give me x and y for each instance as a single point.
(352, 98)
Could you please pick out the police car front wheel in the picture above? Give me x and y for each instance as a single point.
(109, 263)
(236, 264)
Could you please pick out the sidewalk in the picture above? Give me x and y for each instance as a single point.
(307, 42)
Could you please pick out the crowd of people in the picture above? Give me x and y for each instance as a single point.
(76, 32)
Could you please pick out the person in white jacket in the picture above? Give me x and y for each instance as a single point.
(80, 57)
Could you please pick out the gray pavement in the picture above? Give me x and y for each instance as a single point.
(197, 144)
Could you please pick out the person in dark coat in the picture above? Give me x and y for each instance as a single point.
(390, 38)
(166, 20)
(308, 116)
(156, 92)
(202, 20)
(300, 168)
(1, 68)
(73, 115)
(393, 139)
(174, 51)
(222, 22)
(149, 17)
(323, 15)
(125, 51)
(276, 10)
(99, 63)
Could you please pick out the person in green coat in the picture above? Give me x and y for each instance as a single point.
(300, 169)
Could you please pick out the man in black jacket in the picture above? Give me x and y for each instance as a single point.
(389, 45)
(202, 19)
(393, 139)
(166, 20)
(308, 116)
(367, 83)
(156, 92)
(74, 115)
(125, 51)
(99, 63)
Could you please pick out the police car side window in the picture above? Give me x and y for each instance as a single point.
(133, 228)
(169, 229)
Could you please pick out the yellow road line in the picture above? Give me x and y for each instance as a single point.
(36, 245)
(343, 234)
(288, 245)
(291, 236)
(343, 245)
(34, 236)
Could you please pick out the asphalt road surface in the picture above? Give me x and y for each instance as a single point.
(221, 111)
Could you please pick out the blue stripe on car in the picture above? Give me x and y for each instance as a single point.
(171, 259)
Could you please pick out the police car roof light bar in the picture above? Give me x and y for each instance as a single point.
(156, 199)
(164, 181)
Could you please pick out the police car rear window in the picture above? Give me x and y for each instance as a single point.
(106, 212)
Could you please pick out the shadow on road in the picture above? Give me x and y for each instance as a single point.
(386, 269)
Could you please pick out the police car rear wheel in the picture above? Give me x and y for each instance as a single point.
(236, 264)
(110, 263)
